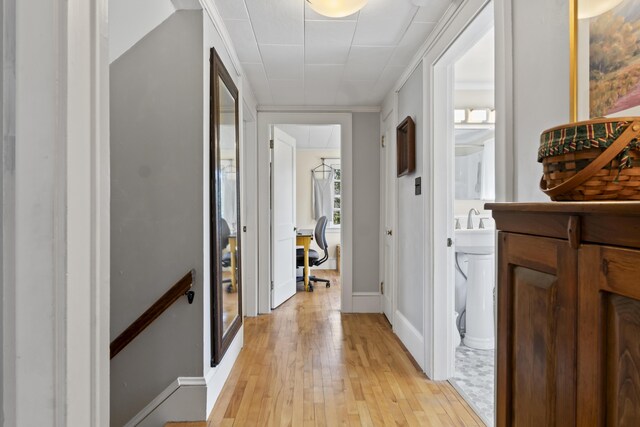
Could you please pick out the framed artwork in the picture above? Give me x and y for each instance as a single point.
(406, 146)
(605, 58)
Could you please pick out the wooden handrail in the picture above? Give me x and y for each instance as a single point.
(165, 301)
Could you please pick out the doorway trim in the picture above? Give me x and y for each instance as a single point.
(265, 121)
(439, 295)
(388, 120)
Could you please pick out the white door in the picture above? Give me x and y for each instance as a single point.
(389, 174)
(283, 218)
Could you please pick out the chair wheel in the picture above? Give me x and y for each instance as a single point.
(310, 287)
(328, 285)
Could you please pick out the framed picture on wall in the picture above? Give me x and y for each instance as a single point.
(406, 146)
(605, 58)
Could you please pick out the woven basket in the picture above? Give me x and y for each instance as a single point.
(592, 160)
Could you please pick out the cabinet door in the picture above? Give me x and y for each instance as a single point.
(609, 337)
(536, 331)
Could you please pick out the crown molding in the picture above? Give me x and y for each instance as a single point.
(210, 7)
(319, 108)
(433, 37)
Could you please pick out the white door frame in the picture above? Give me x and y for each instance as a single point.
(56, 307)
(439, 289)
(265, 120)
(388, 118)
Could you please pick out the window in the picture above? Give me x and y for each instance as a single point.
(337, 192)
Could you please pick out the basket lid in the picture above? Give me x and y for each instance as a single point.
(572, 137)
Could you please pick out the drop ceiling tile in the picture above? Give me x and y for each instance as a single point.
(387, 80)
(323, 74)
(283, 62)
(433, 12)
(287, 92)
(321, 83)
(411, 42)
(243, 40)
(232, 9)
(311, 15)
(367, 63)
(259, 82)
(319, 136)
(328, 42)
(355, 92)
(383, 22)
(277, 21)
(298, 132)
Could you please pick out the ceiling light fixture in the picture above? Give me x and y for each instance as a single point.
(592, 8)
(336, 8)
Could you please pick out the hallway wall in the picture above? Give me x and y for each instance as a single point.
(540, 92)
(366, 202)
(156, 193)
(411, 219)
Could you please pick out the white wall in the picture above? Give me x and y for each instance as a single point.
(216, 376)
(55, 289)
(131, 20)
(307, 159)
(541, 90)
(411, 216)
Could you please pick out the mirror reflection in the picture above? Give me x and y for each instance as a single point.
(228, 202)
(475, 163)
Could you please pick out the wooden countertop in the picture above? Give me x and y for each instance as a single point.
(617, 208)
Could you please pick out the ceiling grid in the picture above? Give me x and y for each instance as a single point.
(293, 56)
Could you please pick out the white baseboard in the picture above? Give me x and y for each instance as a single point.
(217, 376)
(189, 398)
(412, 339)
(183, 400)
(366, 302)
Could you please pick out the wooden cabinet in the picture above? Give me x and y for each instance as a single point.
(568, 314)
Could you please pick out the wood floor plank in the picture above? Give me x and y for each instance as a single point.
(307, 364)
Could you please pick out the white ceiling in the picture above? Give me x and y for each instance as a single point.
(475, 69)
(294, 56)
(314, 136)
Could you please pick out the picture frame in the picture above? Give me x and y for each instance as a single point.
(605, 59)
(406, 146)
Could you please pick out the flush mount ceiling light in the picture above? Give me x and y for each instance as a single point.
(336, 8)
(591, 8)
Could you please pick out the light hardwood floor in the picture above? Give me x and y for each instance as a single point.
(309, 365)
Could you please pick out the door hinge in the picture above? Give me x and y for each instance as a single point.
(382, 288)
(271, 144)
(272, 285)
(382, 141)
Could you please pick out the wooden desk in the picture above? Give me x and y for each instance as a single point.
(303, 238)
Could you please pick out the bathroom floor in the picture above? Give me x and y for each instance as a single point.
(475, 380)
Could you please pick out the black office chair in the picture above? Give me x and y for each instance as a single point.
(225, 233)
(314, 257)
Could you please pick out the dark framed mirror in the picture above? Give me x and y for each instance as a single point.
(224, 184)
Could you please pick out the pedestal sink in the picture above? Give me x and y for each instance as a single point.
(479, 246)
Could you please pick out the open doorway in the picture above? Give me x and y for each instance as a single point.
(468, 127)
(306, 197)
(302, 142)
